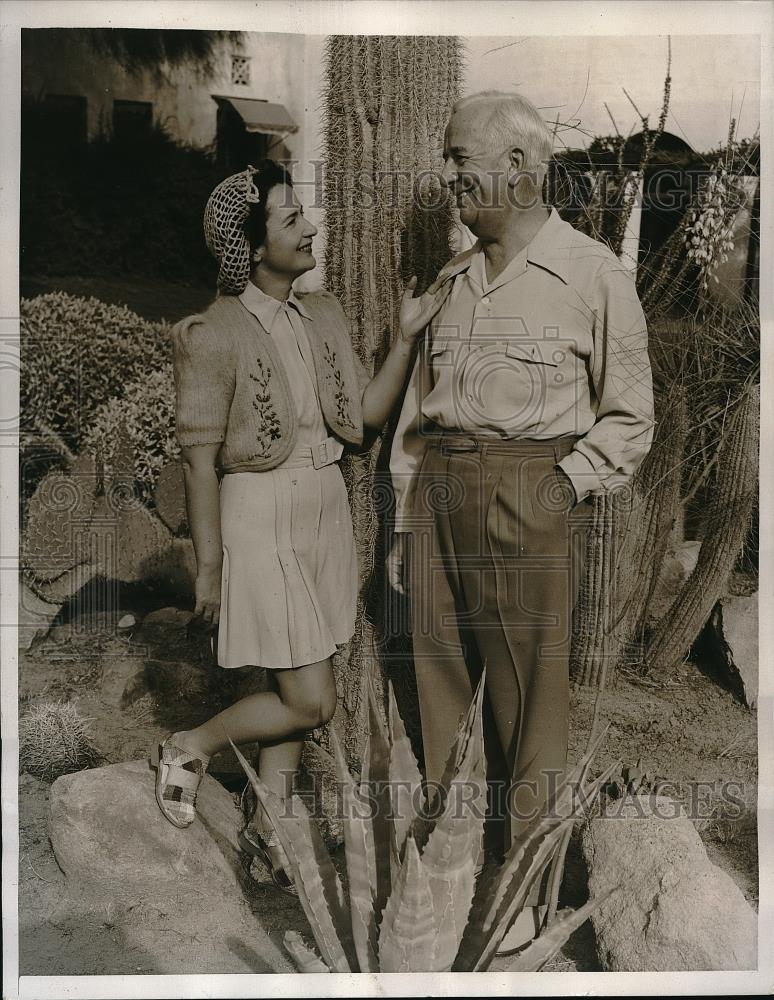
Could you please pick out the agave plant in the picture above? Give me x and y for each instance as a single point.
(414, 902)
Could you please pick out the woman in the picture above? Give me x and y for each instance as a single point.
(269, 391)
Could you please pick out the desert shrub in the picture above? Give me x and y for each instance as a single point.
(146, 409)
(76, 354)
(54, 740)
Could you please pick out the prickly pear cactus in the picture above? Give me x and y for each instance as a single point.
(89, 521)
(59, 510)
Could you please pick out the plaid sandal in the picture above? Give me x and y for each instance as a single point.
(178, 776)
(258, 842)
(258, 845)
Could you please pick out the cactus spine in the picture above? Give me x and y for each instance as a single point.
(725, 531)
(629, 538)
(386, 104)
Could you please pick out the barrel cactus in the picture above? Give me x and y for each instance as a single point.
(414, 901)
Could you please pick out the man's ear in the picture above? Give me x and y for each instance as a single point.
(516, 164)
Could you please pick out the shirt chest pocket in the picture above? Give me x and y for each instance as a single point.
(508, 385)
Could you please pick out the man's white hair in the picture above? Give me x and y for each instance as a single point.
(509, 120)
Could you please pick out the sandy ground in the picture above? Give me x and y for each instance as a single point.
(686, 729)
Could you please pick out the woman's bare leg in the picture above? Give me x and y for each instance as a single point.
(305, 699)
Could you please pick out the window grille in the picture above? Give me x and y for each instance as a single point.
(240, 70)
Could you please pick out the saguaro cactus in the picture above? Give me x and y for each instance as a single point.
(725, 530)
(629, 536)
(386, 104)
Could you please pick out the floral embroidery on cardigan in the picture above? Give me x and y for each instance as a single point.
(271, 426)
(340, 395)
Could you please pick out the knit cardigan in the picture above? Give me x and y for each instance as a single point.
(231, 386)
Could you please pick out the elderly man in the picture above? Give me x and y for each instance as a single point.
(532, 391)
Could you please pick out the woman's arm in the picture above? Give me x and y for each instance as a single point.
(203, 504)
(381, 393)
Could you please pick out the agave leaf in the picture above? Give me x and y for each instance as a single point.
(487, 941)
(561, 805)
(544, 947)
(374, 786)
(407, 938)
(501, 893)
(306, 958)
(450, 856)
(467, 748)
(359, 864)
(319, 887)
(405, 779)
(450, 859)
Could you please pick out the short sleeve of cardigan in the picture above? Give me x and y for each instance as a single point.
(205, 378)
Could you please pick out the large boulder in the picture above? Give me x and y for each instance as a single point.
(109, 835)
(671, 909)
(731, 639)
(141, 895)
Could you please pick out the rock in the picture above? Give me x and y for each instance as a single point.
(675, 570)
(674, 910)
(35, 616)
(173, 634)
(731, 640)
(126, 622)
(142, 896)
(165, 626)
(110, 838)
(123, 680)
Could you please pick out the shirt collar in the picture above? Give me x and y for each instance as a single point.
(265, 308)
(549, 248)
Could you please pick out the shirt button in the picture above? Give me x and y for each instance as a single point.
(485, 300)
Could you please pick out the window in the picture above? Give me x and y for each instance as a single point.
(131, 119)
(65, 118)
(240, 70)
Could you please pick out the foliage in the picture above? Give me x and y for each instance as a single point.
(154, 50)
(76, 355)
(413, 903)
(705, 366)
(54, 740)
(114, 208)
(146, 411)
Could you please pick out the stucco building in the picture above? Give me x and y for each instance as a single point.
(248, 106)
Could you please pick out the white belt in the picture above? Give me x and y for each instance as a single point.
(319, 455)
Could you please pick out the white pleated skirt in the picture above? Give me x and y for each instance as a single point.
(289, 585)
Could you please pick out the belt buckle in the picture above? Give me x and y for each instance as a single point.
(320, 454)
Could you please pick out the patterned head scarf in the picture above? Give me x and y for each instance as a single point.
(224, 217)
